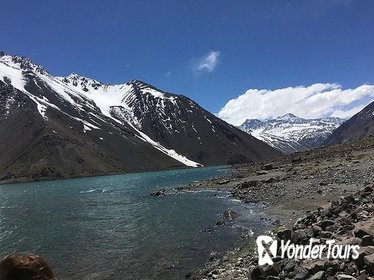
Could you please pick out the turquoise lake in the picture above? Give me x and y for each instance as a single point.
(110, 227)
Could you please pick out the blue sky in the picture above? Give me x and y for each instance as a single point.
(211, 51)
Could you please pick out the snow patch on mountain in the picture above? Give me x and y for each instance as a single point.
(122, 113)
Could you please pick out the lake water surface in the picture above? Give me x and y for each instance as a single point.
(111, 228)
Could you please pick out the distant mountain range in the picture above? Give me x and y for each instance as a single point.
(59, 127)
(359, 126)
(290, 133)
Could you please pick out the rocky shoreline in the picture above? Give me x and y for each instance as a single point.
(330, 188)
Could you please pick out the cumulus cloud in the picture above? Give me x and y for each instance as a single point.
(314, 101)
(206, 63)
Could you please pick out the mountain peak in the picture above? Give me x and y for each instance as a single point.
(72, 75)
(142, 88)
(79, 80)
(288, 116)
(251, 122)
(138, 82)
(21, 62)
(142, 85)
(75, 76)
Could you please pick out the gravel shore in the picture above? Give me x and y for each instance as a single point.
(301, 191)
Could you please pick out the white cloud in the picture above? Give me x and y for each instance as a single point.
(348, 113)
(314, 101)
(207, 63)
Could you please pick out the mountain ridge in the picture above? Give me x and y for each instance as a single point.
(106, 128)
(289, 133)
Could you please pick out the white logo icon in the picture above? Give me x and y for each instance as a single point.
(265, 254)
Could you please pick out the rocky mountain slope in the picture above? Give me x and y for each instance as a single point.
(290, 133)
(357, 127)
(55, 127)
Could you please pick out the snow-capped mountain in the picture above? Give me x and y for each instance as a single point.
(290, 133)
(76, 126)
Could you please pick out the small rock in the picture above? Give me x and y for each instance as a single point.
(291, 264)
(364, 251)
(367, 240)
(325, 223)
(314, 266)
(318, 276)
(160, 192)
(220, 223)
(268, 166)
(369, 262)
(222, 182)
(301, 273)
(316, 230)
(270, 270)
(296, 160)
(255, 273)
(285, 234)
(300, 236)
(363, 276)
(326, 234)
(230, 215)
(345, 277)
(366, 228)
(349, 240)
